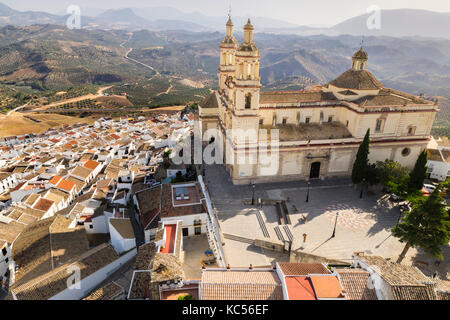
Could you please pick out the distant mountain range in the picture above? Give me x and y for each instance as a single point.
(394, 23)
(399, 23)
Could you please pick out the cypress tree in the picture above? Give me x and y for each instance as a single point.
(426, 226)
(360, 167)
(418, 174)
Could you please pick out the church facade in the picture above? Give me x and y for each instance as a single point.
(319, 129)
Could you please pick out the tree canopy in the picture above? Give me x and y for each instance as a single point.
(361, 164)
(393, 176)
(418, 174)
(426, 226)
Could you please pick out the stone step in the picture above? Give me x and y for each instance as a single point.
(238, 238)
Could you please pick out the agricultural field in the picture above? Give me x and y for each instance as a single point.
(18, 123)
(98, 103)
(159, 92)
(180, 95)
(441, 126)
(56, 96)
(12, 97)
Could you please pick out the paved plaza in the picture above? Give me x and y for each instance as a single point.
(362, 225)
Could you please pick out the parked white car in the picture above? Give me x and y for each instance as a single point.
(429, 187)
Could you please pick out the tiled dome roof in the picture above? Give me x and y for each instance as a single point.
(357, 79)
(360, 54)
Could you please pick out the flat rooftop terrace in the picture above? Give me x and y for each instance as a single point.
(169, 245)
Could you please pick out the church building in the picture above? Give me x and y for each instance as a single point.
(319, 129)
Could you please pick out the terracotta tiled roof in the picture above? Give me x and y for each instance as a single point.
(443, 290)
(91, 164)
(354, 282)
(81, 172)
(43, 204)
(389, 97)
(302, 269)
(123, 227)
(407, 282)
(149, 202)
(145, 256)
(10, 231)
(66, 185)
(56, 196)
(109, 292)
(240, 285)
(31, 199)
(55, 179)
(267, 97)
(211, 101)
(44, 244)
(79, 184)
(327, 287)
(358, 80)
(299, 288)
(55, 281)
(395, 273)
(168, 210)
(140, 287)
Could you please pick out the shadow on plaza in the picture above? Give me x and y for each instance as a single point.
(432, 266)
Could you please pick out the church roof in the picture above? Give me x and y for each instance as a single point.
(357, 79)
(294, 96)
(390, 97)
(360, 54)
(210, 101)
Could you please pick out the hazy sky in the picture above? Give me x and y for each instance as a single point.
(302, 12)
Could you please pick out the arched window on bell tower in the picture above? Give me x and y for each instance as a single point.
(248, 101)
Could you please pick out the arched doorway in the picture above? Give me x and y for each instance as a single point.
(315, 170)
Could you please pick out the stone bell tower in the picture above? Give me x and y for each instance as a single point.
(248, 82)
(227, 65)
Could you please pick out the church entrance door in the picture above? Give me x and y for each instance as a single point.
(315, 170)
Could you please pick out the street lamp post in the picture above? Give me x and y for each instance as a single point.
(307, 193)
(335, 224)
(253, 194)
(362, 187)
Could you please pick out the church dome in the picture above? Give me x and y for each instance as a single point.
(361, 55)
(357, 80)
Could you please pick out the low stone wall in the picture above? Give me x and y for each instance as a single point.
(299, 256)
(273, 245)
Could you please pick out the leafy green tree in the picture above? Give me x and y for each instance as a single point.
(393, 177)
(372, 174)
(418, 174)
(361, 164)
(426, 226)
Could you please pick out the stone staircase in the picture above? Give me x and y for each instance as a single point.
(238, 238)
